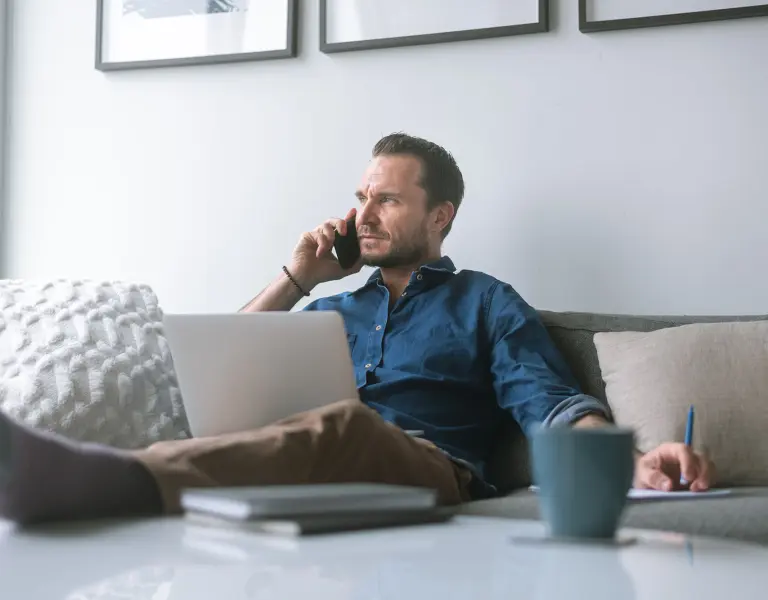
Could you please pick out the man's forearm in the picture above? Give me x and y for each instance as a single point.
(280, 295)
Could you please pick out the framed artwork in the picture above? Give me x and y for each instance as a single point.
(610, 15)
(347, 25)
(140, 34)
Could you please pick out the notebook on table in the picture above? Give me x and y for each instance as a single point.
(302, 525)
(305, 509)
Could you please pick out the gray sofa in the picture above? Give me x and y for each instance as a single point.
(743, 515)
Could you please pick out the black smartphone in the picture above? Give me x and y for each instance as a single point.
(347, 247)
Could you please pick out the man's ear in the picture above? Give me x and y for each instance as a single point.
(442, 215)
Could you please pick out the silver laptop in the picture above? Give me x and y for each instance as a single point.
(244, 371)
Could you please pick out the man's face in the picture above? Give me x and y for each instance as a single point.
(392, 220)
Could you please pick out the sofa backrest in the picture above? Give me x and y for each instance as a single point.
(572, 333)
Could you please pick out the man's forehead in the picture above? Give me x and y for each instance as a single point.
(374, 174)
(389, 170)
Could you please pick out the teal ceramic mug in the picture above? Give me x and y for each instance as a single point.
(583, 476)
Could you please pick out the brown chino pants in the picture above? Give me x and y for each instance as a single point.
(339, 443)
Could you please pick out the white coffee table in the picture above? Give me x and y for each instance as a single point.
(472, 557)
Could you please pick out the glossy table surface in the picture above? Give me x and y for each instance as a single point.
(469, 557)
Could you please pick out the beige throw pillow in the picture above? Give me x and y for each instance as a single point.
(721, 368)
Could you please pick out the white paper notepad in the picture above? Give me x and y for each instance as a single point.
(638, 494)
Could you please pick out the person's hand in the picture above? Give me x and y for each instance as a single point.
(313, 262)
(661, 468)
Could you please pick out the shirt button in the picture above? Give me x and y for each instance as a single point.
(378, 327)
(419, 276)
(368, 366)
(405, 293)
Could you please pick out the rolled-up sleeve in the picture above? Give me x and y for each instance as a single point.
(530, 376)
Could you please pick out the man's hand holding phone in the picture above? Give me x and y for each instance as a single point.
(313, 260)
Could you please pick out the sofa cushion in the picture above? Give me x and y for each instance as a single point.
(743, 515)
(88, 360)
(572, 333)
(720, 368)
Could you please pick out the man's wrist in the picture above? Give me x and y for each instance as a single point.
(294, 282)
(591, 420)
(299, 279)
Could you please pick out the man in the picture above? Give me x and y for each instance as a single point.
(437, 351)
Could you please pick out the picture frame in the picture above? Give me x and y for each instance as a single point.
(135, 34)
(682, 18)
(330, 43)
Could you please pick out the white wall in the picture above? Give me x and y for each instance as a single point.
(4, 44)
(615, 172)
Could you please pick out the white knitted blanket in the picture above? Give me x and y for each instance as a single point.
(88, 360)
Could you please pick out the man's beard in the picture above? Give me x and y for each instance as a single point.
(402, 255)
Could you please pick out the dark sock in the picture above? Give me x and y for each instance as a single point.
(46, 477)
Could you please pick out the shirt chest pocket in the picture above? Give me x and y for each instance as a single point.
(449, 353)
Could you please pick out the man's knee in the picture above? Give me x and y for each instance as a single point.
(350, 422)
(352, 410)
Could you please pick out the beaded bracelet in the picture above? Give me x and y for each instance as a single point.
(288, 274)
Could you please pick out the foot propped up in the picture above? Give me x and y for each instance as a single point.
(46, 477)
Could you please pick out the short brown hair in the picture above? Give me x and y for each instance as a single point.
(441, 177)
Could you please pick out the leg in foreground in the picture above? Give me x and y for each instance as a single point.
(343, 442)
(44, 477)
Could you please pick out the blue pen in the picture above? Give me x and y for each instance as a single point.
(688, 435)
(689, 428)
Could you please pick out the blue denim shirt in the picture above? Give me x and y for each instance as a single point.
(455, 351)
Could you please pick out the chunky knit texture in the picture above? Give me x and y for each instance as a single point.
(88, 360)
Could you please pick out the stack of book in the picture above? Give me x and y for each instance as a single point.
(312, 509)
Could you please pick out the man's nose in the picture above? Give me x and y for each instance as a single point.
(366, 214)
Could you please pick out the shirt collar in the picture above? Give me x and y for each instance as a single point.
(443, 266)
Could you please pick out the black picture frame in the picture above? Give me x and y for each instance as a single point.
(723, 14)
(541, 26)
(291, 50)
